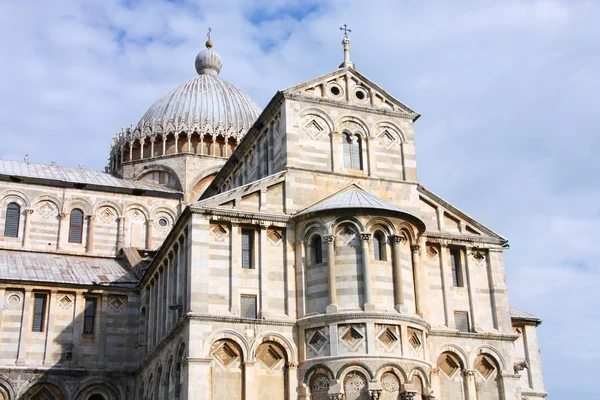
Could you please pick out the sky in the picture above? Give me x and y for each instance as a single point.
(507, 90)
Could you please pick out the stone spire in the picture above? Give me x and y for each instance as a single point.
(346, 43)
(208, 61)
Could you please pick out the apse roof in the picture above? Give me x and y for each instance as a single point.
(518, 314)
(354, 197)
(73, 175)
(28, 266)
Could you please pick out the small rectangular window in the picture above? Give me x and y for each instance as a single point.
(461, 321)
(247, 249)
(39, 312)
(89, 315)
(248, 306)
(457, 279)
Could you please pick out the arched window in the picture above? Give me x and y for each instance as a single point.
(11, 223)
(379, 246)
(317, 249)
(352, 151)
(76, 226)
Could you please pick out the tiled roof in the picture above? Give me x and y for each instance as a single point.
(518, 314)
(353, 197)
(18, 265)
(73, 175)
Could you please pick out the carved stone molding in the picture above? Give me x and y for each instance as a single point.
(365, 236)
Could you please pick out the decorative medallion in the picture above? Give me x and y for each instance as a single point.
(117, 303)
(13, 300)
(355, 382)
(65, 301)
(390, 382)
(319, 384)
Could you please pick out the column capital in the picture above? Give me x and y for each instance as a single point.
(91, 217)
(64, 215)
(397, 238)
(415, 248)
(121, 218)
(365, 236)
(149, 221)
(468, 372)
(329, 239)
(29, 210)
(292, 364)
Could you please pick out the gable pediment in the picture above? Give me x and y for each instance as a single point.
(348, 87)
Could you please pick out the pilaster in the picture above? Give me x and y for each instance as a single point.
(366, 256)
(397, 266)
(333, 306)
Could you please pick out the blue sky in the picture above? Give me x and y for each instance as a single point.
(508, 93)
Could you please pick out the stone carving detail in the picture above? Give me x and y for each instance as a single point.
(388, 338)
(313, 125)
(408, 395)
(520, 366)
(336, 396)
(275, 236)
(117, 303)
(13, 300)
(355, 382)
(390, 382)
(46, 209)
(219, 231)
(432, 252)
(317, 341)
(375, 394)
(65, 301)
(225, 355)
(387, 139)
(269, 357)
(107, 214)
(478, 256)
(320, 384)
(352, 337)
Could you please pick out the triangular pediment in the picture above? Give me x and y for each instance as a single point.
(350, 87)
(444, 219)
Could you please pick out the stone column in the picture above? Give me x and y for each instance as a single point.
(492, 289)
(292, 378)
(417, 278)
(120, 233)
(63, 230)
(189, 143)
(471, 391)
(235, 269)
(370, 164)
(25, 328)
(337, 152)
(152, 140)
(142, 141)
(131, 150)
(470, 291)
(250, 384)
(366, 261)
(28, 214)
(397, 266)
(333, 306)
(50, 328)
(164, 137)
(226, 146)
(149, 226)
(300, 278)
(213, 146)
(263, 273)
(176, 136)
(445, 286)
(89, 245)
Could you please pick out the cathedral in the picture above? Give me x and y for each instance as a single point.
(229, 252)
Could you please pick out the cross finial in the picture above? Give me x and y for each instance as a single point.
(346, 30)
(208, 33)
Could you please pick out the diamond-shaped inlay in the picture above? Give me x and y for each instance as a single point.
(65, 301)
(432, 252)
(478, 256)
(388, 338)
(352, 337)
(135, 214)
(346, 234)
(107, 214)
(414, 339)
(484, 367)
(46, 209)
(219, 231)
(117, 303)
(317, 341)
(386, 139)
(269, 357)
(275, 236)
(225, 354)
(313, 128)
(449, 365)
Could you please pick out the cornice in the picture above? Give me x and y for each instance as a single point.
(236, 214)
(508, 337)
(440, 237)
(238, 320)
(69, 371)
(352, 107)
(352, 316)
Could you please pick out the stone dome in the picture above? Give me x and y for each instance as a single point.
(205, 102)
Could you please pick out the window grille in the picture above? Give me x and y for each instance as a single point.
(11, 223)
(39, 312)
(76, 226)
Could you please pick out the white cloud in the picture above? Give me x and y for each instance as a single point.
(507, 90)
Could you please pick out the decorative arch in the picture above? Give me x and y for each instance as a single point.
(277, 338)
(318, 112)
(380, 222)
(108, 203)
(149, 169)
(202, 182)
(139, 206)
(313, 227)
(80, 203)
(42, 380)
(50, 198)
(342, 372)
(352, 220)
(227, 334)
(165, 209)
(308, 374)
(405, 227)
(490, 351)
(391, 367)
(421, 373)
(393, 128)
(354, 124)
(97, 385)
(456, 350)
(8, 386)
(15, 195)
